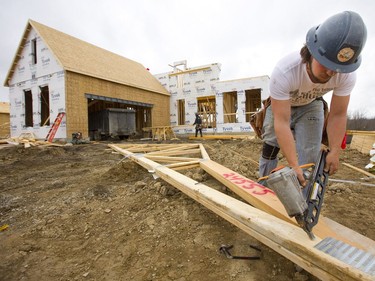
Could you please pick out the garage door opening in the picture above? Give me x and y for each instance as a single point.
(116, 118)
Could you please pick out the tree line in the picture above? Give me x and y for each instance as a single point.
(359, 121)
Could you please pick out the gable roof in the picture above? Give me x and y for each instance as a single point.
(81, 57)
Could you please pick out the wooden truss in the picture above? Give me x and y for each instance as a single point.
(264, 217)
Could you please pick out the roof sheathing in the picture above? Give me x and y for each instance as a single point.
(81, 57)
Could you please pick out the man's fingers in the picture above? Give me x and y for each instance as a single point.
(330, 169)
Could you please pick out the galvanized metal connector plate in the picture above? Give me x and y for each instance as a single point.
(348, 254)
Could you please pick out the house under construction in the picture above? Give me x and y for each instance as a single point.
(225, 106)
(54, 74)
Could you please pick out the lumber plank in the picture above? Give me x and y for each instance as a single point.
(362, 133)
(185, 167)
(170, 159)
(173, 147)
(359, 170)
(266, 200)
(204, 152)
(180, 164)
(222, 137)
(176, 152)
(252, 192)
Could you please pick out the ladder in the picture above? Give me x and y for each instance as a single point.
(52, 132)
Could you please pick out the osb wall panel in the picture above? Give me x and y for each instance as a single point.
(362, 143)
(78, 85)
(4, 125)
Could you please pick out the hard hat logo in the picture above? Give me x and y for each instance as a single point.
(345, 54)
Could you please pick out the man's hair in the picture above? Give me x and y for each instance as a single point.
(305, 54)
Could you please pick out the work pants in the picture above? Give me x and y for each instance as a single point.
(307, 125)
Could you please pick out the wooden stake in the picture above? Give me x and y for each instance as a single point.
(359, 170)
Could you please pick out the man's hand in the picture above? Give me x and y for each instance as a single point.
(332, 162)
(300, 176)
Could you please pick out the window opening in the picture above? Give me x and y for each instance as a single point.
(33, 51)
(253, 102)
(207, 111)
(146, 122)
(230, 107)
(44, 106)
(181, 112)
(28, 108)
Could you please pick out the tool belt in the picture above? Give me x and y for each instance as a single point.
(257, 119)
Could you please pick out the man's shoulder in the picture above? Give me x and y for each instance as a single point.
(290, 62)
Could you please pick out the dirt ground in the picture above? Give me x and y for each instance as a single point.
(83, 212)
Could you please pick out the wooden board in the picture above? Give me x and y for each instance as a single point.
(265, 199)
(222, 137)
(359, 170)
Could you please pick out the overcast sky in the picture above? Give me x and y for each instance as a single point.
(247, 37)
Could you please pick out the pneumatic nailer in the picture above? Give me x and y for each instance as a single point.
(303, 203)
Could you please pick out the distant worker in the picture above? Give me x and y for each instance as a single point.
(198, 124)
(294, 121)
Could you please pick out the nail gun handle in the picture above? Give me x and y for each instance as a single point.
(315, 192)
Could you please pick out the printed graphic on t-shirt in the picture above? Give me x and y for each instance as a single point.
(305, 97)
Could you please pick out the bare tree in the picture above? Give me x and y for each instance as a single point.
(359, 120)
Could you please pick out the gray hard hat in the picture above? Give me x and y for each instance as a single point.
(337, 43)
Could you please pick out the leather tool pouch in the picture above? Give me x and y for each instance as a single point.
(257, 119)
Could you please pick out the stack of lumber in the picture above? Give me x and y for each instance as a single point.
(161, 132)
(27, 140)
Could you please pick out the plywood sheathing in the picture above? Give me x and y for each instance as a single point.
(363, 141)
(4, 120)
(76, 102)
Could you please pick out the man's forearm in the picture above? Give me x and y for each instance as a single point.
(336, 127)
(286, 142)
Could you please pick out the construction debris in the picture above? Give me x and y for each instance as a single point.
(161, 133)
(27, 140)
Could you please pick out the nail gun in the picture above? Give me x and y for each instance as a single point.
(303, 203)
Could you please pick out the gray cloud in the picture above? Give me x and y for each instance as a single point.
(246, 37)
